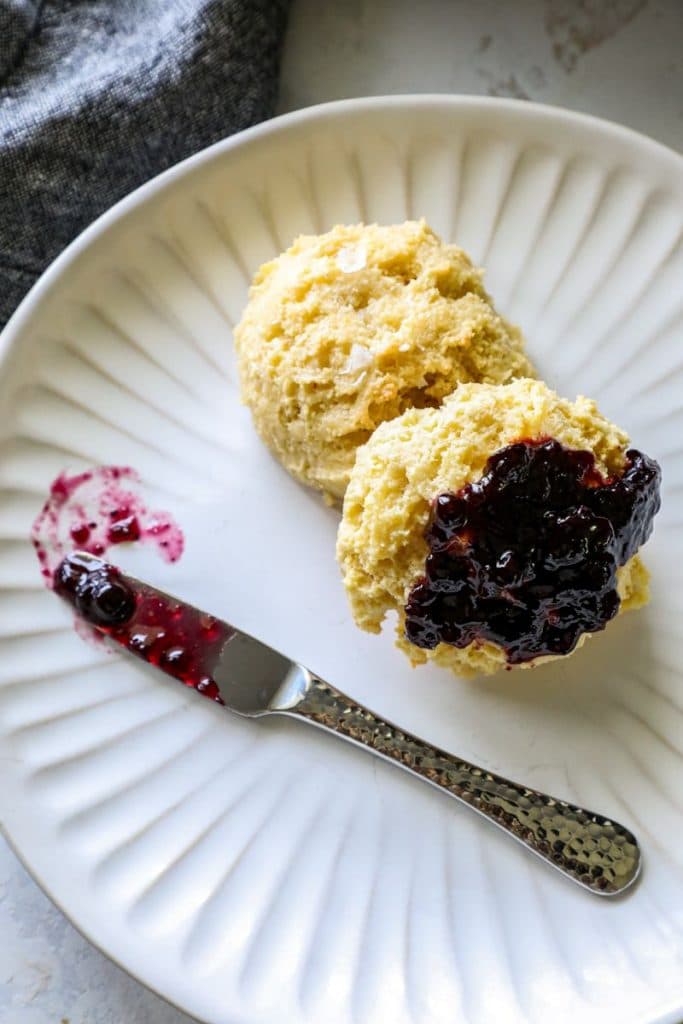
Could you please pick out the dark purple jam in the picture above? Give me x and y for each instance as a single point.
(185, 642)
(96, 590)
(527, 556)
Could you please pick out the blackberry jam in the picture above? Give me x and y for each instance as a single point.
(527, 556)
(94, 510)
(183, 641)
(96, 591)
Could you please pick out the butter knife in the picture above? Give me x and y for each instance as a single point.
(251, 679)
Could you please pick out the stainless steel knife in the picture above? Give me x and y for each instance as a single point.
(253, 680)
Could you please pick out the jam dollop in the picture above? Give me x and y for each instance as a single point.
(96, 590)
(178, 638)
(527, 556)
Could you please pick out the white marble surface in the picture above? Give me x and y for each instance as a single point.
(619, 59)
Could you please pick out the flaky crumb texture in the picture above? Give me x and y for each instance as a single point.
(349, 329)
(407, 462)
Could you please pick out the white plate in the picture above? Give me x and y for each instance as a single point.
(260, 872)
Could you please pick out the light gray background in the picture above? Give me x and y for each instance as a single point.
(619, 59)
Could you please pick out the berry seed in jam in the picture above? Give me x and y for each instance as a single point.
(527, 556)
(184, 642)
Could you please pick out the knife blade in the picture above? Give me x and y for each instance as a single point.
(252, 679)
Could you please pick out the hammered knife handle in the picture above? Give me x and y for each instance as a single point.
(597, 852)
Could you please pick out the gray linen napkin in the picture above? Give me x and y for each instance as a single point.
(97, 96)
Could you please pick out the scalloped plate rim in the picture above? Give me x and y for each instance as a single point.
(50, 276)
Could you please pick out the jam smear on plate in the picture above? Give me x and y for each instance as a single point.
(183, 641)
(527, 556)
(95, 510)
